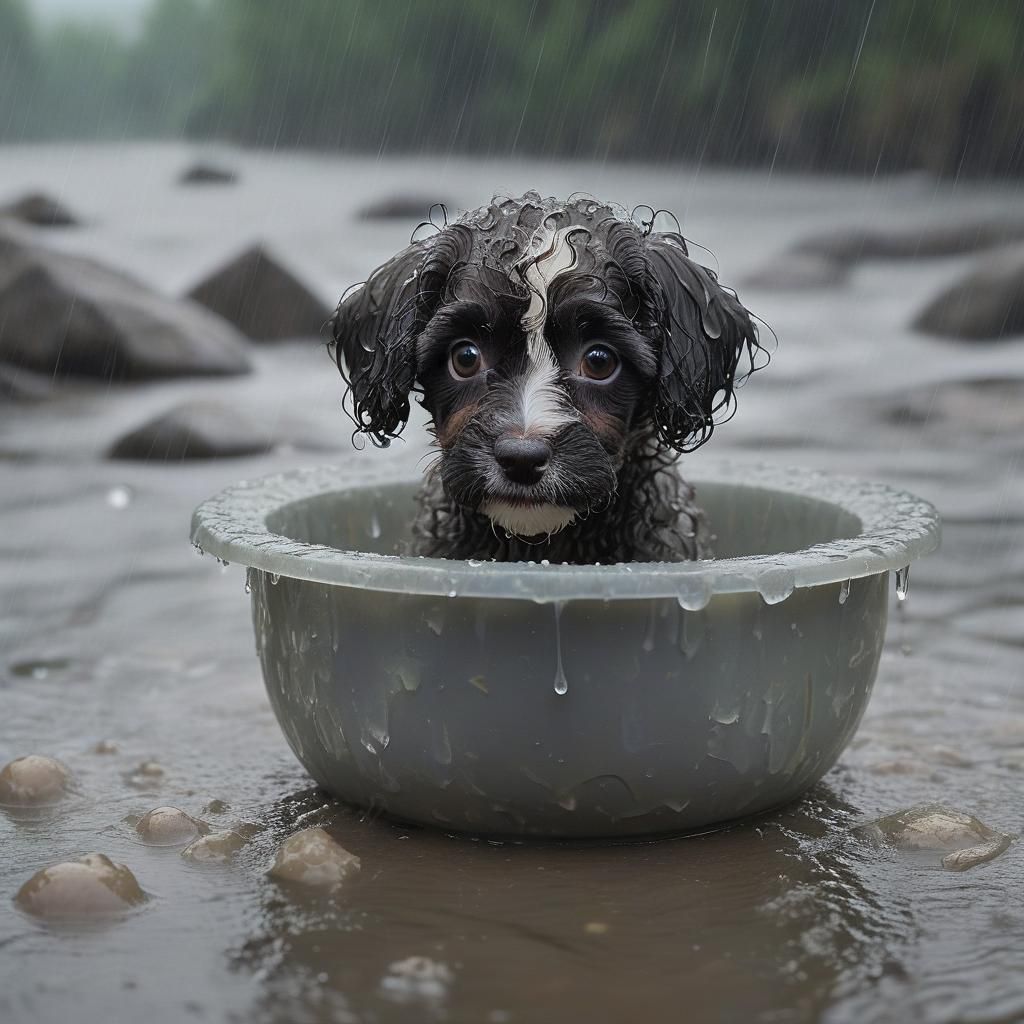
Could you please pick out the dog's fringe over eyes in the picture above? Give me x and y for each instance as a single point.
(697, 344)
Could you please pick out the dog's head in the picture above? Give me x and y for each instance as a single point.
(546, 339)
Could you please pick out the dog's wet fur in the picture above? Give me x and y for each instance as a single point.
(567, 354)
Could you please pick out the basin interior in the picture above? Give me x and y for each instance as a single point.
(745, 520)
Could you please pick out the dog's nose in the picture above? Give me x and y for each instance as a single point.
(523, 459)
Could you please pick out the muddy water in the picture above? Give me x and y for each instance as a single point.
(131, 660)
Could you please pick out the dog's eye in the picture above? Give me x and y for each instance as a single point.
(599, 363)
(466, 359)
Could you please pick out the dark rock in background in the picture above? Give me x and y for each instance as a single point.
(195, 430)
(985, 305)
(22, 386)
(265, 301)
(856, 246)
(402, 206)
(41, 211)
(69, 315)
(203, 173)
(205, 429)
(825, 260)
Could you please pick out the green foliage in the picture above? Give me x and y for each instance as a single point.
(848, 84)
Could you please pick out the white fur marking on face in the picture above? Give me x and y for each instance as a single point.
(544, 404)
(528, 520)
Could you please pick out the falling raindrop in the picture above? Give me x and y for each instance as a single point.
(844, 591)
(902, 582)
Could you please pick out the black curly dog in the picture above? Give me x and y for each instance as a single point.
(566, 355)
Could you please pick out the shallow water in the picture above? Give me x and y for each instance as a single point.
(112, 630)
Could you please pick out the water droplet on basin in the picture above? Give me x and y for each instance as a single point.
(374, 526)
(902, 582)
(844, 591)
(561, 683)
(694, 594)
(248, 581)
(775, 585)
(275, 578)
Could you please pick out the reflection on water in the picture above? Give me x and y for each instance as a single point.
(131, 661)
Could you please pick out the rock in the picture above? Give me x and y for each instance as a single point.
(986, 305)
(825, 260)
(311, 857)
(216, 848)
(169, 826)
(199, 430)
(798, 270)
(68, 315)
(855, 245)
(41, 211)
(960, 840)
(417, 979)
(23, 385)
(90, 887)
(401, 206)
(33, 781)
(263, 299)
(203, 173)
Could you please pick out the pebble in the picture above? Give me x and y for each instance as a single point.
(33, 781)
(91, 887)
(417, 978)
(216, 848)
(311, 857)
(169, 826)
(960, 840)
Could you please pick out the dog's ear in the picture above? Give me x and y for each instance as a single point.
(375, 329)
(705, 332)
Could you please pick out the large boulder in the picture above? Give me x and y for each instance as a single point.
(40, 210)
(986, 305)
(208, 430)
(263, 299)
(69, 315)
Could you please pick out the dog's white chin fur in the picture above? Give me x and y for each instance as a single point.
(528, 520)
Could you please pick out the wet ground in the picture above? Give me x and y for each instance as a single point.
(131, 660)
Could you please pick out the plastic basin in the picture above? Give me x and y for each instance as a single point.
(569, 701)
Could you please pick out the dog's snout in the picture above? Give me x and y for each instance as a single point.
(523, 459)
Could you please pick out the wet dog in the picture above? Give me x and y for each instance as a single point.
(567, 354)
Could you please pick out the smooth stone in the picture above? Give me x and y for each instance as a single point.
(33, 781)
(417, 978)
(797, 270)
(91, 887)
(855, 245)
(216, 848)
(199, 430)
(402, 206)
(41, 211)
(961, 839)
(169, 826)
(67, 315)
(311, 857)
(985, 305)
(259, 296)
(204, 173)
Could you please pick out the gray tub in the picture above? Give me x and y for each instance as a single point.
(522, 699)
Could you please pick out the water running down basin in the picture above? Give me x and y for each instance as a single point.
(523, 699)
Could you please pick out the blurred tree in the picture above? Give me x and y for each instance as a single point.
(19, 70)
